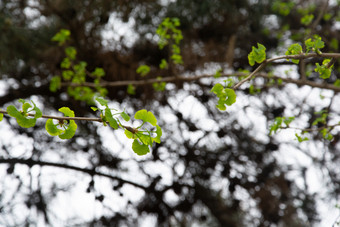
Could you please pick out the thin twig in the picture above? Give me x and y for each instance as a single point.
(330, 127)
(62, 118)
(298, 56)
(320, 15)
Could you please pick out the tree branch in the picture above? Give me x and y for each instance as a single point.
(62, 118)
(236, 74)
(298, 56)
(92, 172)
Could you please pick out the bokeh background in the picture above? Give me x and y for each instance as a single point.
(212, 168)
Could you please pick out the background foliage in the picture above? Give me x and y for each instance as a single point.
(212, 168)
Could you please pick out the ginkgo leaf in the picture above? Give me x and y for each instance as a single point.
(38, 112)
(70, 131)
(227, 96)
(146, 116)
(113, 123)
(157, 139)
(125, 116)
(257, 54)
(66, 111)
(23, 121)
(102, 101)
(67, 131)
(140, 149)
(52, 129)
(294, 49)
(145, 139)
(25, 107)
(129, 134)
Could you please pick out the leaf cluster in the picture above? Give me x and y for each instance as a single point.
(227, 96)
(22, 117)
(283, 7)
(313, 44)
(75, 73)
(142, 136)
(63, 129)
(324, 69)
(169, 34)
(278, 124)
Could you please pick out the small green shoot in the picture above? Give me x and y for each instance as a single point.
(257, 54)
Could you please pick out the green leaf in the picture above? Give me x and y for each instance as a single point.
(218, 73)
(145, 139)
(67, 74)
(71, 52)
(327, 16)
(52, 129)
(70, 131)
(70, 128)
(125, 116)
(157, 139)
(112, 122)
(176, 49)
(177, 59)
(276, 125)
(227, 96)
(337, 83)
(25, 107)
(38, 112)
(102, 101)
(322, 117)
(314, 44)
(65, 64)
(131, 89)
(307, 19)
(334, 44)
(159, 86)
(288, 120)
(283, 8)
(140, 149)
(300, 138)
(94, 108)
(257, 54)
(98, 72)
(163, 64)
(1, 116)
(66, 111)
(21, 119)
(146, 116)
(231, 96)
(129, 134)
(294, 49)
(55, 83)
(143, 70)
(318, 42)
(324, 71)
(217, 89)
(326, 134)
(62, 36)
